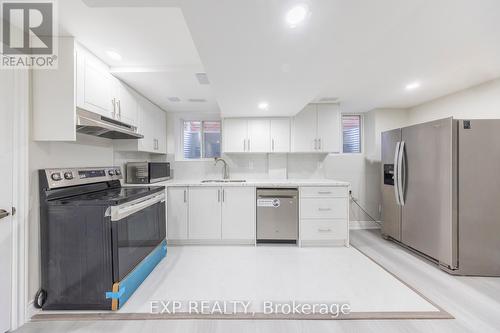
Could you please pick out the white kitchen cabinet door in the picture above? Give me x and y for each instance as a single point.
(329, 128)
(235, 135)
(126, 103)
(94, 85)
(280, 135)
(146, 126)
(238, 213)
(160, 131)
(177, 213)
(304, 133)
(259, 135)
(205, 212)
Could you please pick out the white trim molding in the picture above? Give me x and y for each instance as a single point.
(20, 196)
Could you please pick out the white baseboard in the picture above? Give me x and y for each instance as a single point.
(357, 225)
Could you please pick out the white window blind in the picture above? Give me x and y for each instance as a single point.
(351, 133)
(201, 139)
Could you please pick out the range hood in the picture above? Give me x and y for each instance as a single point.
(94, 124)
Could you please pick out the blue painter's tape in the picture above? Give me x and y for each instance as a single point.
(134, 279)
(117, 295)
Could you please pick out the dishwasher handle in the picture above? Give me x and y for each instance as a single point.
(278, 196)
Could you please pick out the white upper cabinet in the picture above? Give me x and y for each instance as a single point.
(329, 128)
(152, 124)
(82, 81)
(317, 129)
(235, 135)
(304, 130)
(126, 103)
(94, 85)
(258, 139)
(280, 135)
(256, 135)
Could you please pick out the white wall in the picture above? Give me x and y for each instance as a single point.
(480, 102)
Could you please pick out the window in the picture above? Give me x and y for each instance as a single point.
(351, 133)
(201, 139)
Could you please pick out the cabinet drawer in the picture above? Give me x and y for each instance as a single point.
(323, 208)
(323, 229)
(323, 191)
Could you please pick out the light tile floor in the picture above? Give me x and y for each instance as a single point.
(473, 301)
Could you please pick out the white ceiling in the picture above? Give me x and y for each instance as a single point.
(159, 58)
(362, 51)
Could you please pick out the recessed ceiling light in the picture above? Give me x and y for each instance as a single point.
(297, 15)
(114, 55)
(174, 99)
(263, 105)
(412, 86)
(202, 78)
(197, 100)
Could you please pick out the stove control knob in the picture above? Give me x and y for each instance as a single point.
(118, 172)
(56, 176)
(68, 175)
(111, 172)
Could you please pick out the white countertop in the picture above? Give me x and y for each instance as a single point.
(251, 182)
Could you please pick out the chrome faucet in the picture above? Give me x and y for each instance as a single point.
(225, 169)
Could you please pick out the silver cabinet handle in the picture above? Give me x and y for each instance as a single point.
(319, 143)
(324, 192)
(315, 144)
(272, 144)
(119, 109)
(324, 230)
(244, 144)
(3, 213)
(324, 209)
(248, 144)
(223, 195)
(218, 195)
(113, 102)
(185, 197)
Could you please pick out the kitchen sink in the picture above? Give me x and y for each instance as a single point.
(223, 181)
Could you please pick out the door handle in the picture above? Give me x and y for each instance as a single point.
(396, 160)
(401, 176)
(3, 213)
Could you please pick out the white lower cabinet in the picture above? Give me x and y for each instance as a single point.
(238, 213)
(324, 215)
(205, 212)
(177, 213)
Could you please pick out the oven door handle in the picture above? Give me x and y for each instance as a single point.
(120, 212)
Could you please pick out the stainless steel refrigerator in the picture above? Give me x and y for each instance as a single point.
(441, 192)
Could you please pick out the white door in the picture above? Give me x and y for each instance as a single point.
(94, 86)
(235, 135)
(305, 124)
(280, 135)
(126, 100)
(205, 212)
(177, 213)
(259, 136)
(6, 170)
(238, 213)
(329, 128)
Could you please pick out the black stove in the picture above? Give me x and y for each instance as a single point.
(94, 232)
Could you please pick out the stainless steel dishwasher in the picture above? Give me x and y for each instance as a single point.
(277, 215)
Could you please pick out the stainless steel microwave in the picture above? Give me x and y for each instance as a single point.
(147, 172)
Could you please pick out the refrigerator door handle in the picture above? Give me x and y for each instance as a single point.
(401, 173)
(396, 168)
